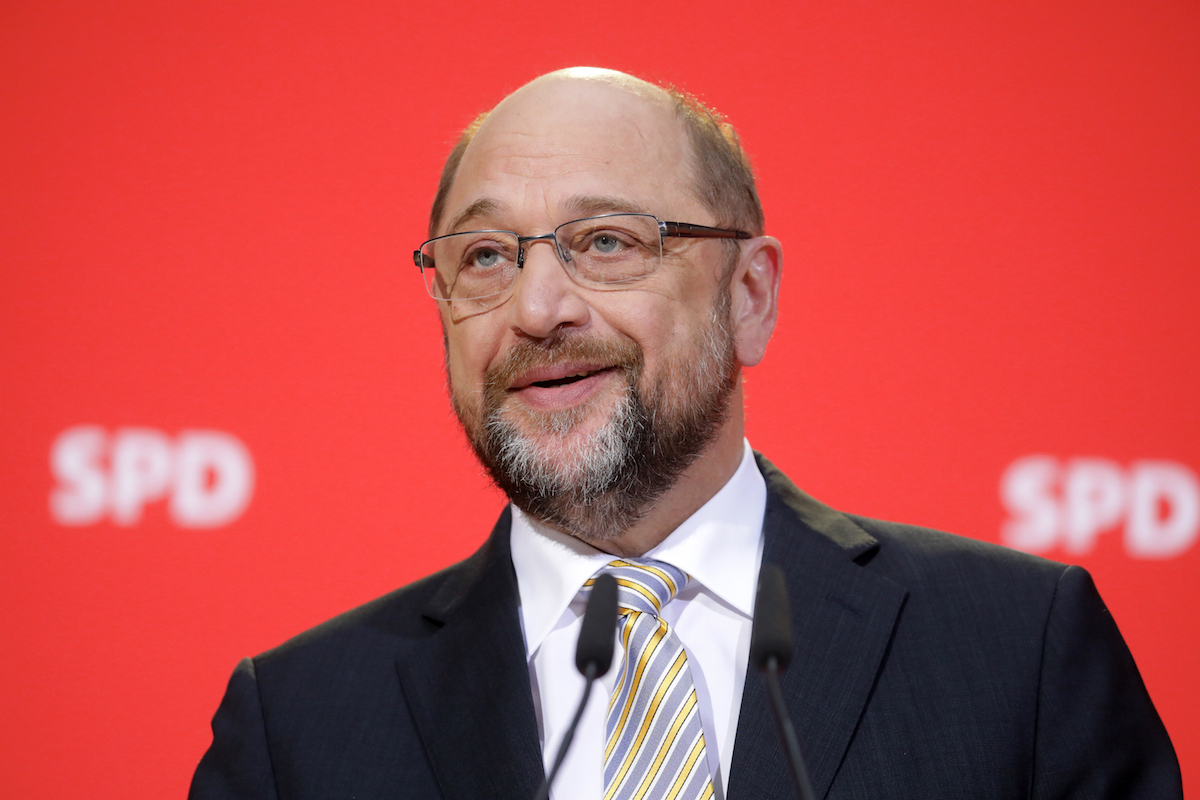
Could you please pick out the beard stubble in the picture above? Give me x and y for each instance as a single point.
(599, 486)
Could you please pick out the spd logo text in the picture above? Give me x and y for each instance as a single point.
(207, 477)
(1068, 503)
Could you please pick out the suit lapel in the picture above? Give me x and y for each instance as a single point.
(843, 617)
(467, 684)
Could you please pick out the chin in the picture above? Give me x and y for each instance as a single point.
(567, 442)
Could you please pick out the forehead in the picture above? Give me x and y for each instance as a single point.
(547, 146)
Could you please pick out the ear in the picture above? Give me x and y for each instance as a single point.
(754, 290)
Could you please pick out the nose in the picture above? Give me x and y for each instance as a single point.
(545, 298)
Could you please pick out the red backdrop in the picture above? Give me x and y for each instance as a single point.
(989, 213)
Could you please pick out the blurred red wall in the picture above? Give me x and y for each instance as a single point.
(989, 214)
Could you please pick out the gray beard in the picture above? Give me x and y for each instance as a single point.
(606, 484)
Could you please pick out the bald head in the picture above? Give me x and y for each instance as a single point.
(596, 77)
(584, 107)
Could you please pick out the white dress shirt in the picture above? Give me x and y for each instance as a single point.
(720, 547)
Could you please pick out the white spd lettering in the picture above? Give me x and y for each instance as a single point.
(206, 477)
(1069, 503)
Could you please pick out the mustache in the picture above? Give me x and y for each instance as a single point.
(619, 353)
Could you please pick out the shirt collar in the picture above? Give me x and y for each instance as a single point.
(719, 546)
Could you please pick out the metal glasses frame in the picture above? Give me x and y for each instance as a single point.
(679, 230)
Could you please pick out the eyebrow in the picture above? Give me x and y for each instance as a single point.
(592, 205)
(586, 205)
(481, 207)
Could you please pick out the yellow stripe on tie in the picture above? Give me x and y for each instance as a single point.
(642, 590)
(664, 576)
(647, 656)
(660, 691)
(665, 748)
(686, 772)
(657, 742)
(625, 634)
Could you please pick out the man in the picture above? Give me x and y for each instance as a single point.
(597, 254)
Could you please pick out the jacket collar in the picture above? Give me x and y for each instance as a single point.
(467, 684)
(843, 617)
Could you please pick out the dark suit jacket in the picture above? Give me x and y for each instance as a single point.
(927, 666)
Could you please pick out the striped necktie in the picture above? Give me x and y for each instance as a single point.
(655, 744)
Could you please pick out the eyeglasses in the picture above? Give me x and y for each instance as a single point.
(595, 251)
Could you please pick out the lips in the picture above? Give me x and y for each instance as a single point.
(556, 376)
(560, 387)
(569, 379)
(561, 372)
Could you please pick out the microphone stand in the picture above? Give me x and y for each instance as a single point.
(590, 676)
(593, 657)
(772, 643)
(787, 731)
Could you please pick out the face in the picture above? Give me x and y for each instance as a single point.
(587, 404)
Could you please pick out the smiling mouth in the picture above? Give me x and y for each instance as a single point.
(566, 380)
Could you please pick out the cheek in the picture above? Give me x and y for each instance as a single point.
(667, 327)
(656, 324)
(457, 368)
(468, 353)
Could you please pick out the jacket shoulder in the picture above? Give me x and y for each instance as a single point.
(413, 611)
(902, 552)
(919, 553)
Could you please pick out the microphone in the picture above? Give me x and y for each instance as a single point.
(593, 657)
(771, 647)
(595, 648)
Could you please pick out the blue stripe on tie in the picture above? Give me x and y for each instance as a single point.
(653, 726)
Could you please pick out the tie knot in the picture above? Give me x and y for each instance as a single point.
(643, 584)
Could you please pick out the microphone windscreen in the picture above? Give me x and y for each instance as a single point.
(771, 634)
(598, 630)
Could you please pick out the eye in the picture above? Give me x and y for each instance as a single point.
(484, 258)
(607, 243)
(484, 255)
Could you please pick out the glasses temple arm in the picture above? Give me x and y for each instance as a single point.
(686, 230)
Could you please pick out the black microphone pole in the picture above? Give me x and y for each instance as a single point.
(771, 647)
(593, 657)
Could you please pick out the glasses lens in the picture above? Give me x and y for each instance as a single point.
(612, 248)
(468, 266)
